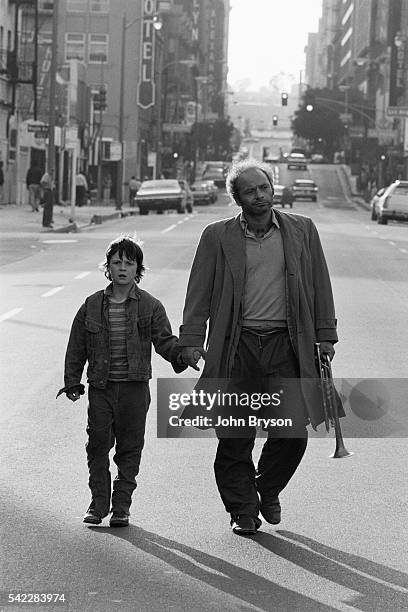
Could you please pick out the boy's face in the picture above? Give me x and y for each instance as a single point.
(122, 270)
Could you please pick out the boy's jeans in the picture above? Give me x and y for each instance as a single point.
(116, 414)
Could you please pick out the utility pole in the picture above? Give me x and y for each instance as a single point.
(53, 76)
(119, 181)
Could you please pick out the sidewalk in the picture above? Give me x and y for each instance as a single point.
(14, 218)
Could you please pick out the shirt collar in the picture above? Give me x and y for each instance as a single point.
(244, 222)
(133, 293)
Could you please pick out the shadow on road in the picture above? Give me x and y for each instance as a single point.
(373, 582)
(222, 575)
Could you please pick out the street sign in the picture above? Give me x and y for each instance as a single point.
(397, 111)
(356, 132)
(176, 127)
(346, 117)
(39, 131)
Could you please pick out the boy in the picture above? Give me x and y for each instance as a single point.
(114, 331)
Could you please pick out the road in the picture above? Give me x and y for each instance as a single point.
(342, 544)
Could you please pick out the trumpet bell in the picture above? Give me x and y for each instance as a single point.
(341, 452)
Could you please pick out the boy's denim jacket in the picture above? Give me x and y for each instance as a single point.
(147, 323)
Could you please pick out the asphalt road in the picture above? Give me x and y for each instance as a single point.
(342, 543)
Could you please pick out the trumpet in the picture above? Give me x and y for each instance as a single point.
(330, 406)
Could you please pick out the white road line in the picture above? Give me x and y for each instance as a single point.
(391, 243)
(55, 241)
(52, 291)
(403, 250)
(10, 313)
(168, 229)
(82, 275)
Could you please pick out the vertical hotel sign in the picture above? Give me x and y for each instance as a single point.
(146, 87)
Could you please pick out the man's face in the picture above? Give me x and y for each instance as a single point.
(255, 193)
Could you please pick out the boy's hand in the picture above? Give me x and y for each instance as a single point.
(191, 355)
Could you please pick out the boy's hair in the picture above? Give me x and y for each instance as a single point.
(128, 246)
(238, 168)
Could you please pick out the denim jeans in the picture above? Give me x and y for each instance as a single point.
(116, 417)
(259, 364)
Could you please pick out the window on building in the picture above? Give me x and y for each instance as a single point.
(98, 48)
(44, 38)
(74, 46)
(77, 6)
(99, 6)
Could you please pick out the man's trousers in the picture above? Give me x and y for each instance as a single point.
(260, 364)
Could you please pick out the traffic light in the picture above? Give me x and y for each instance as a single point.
(284, 99)
(275, 120)
(102, 98)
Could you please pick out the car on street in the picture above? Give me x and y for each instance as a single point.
(161, 195)
(202, 193)
(392, 204)
(297, 161)
(213, 190)
(317, 158)
(215, 174)
(190, 198)
(282, 195)
(304, 188)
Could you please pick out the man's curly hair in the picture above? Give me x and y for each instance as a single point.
(238, 168)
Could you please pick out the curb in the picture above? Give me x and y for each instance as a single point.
(95, 220)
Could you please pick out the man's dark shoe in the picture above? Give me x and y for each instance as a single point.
(271, 510)
(245, 525)
(92, 518)
(119, 520)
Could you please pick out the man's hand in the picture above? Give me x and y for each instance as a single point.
(73, 395)
(327, 348)
(191, 355)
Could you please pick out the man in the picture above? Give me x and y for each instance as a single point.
(33, 180)
(261, 281)
(134, 186)
(81, 189)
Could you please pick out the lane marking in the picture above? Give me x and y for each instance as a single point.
(10, 313)
(391, 243)
(403, 250)
(168, 229)
(62, 241)
(52, 291)
(82, 275)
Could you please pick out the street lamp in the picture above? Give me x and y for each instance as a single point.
(157, 24)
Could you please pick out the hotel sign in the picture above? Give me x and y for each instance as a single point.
(146, 87)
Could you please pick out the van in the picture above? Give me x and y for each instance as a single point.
(392, 204)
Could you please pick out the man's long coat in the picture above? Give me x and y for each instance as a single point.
(215, 292)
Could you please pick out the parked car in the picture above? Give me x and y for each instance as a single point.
(201, 192)
(296, 160)
(190, 198)
(213, 190)
(392, 204)
(282, 195)
(161, 195)
(215, 174)
(304, 188)
(317, 158)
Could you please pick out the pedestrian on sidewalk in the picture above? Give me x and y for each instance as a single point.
(261, 282)
(114, 331)
(81, 189)
(134, 186)
(1, 182)
(47, 186)
(33, 182)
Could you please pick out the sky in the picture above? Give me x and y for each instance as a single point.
(267, 37)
